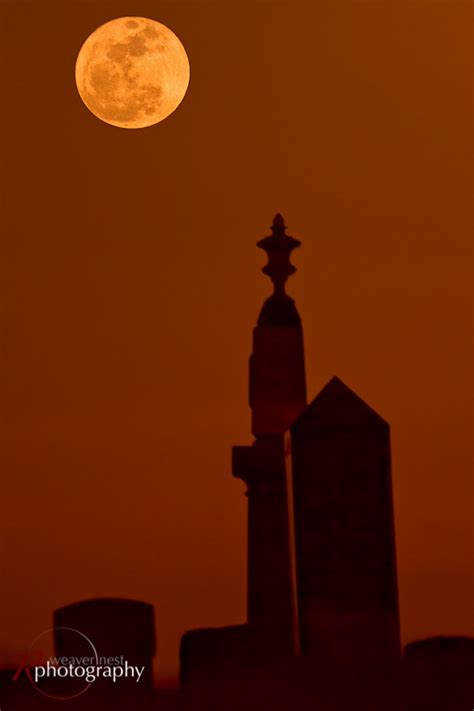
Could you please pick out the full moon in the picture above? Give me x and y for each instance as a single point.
(132, 72)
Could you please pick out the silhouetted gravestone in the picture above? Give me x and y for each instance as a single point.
(211, 655)
(277, 394)
(238, 668)
(122, 632)
(345, 547)
(439, 674)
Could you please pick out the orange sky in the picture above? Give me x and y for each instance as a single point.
(130, 283)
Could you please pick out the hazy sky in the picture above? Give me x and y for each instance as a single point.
(130, 285)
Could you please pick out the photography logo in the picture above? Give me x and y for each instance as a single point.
(67, 677)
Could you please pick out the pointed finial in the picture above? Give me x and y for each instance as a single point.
(278, 247)
(278, 223)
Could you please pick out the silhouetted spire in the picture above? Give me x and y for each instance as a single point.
(278, 247)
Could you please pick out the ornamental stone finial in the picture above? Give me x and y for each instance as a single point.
(278, 247)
